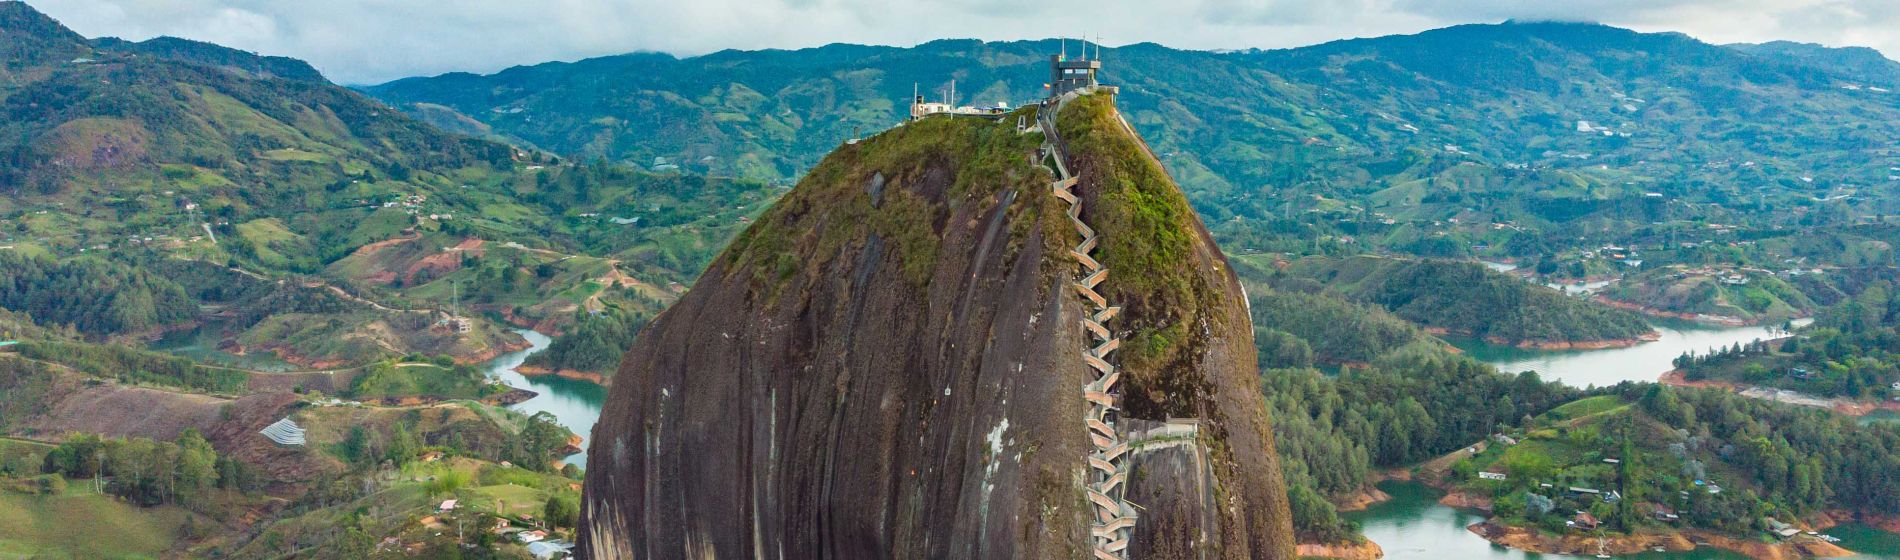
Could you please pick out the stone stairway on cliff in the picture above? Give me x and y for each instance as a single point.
(1114, 523)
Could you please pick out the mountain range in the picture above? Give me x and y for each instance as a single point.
(1561, 128)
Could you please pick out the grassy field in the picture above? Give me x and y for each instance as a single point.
(1583, 408)
(420, 380)
(509, 499)
(13, 448)
(46, 527)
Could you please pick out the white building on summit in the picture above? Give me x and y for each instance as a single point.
(284, 432)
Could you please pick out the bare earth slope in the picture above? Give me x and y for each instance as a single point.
(888, 365)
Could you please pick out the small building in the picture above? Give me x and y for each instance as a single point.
(1613, 461)
(536, 535)
(920, 108)
(1780, 529)
(1584, 521)
(1066, 75)
(550, 550)
(431, 456)
(1664, 514)
(1582, 490)
(447, 505)
(1488, 475)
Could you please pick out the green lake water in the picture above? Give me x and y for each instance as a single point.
(1643, 362)
(575, 404)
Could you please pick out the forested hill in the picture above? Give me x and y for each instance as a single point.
(1861, 64)
(134, 114)
(1478, 122)
(32, 39)
(220, 56)
(1467, 299)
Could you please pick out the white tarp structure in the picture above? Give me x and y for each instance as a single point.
(284, 432)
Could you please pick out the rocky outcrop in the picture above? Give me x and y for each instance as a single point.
(888, 365)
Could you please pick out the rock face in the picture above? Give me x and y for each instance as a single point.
(888, 365)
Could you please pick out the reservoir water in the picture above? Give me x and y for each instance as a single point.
(1643, 362)
(575, 404)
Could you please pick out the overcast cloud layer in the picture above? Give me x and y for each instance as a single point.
(370, 41)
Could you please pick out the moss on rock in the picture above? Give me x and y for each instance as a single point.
(1148, 244)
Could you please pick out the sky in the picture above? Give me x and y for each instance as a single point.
(372, 41)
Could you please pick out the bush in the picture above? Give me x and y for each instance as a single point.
(563, 509)
(449, 481)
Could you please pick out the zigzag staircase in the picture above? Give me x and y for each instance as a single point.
(1114, 524)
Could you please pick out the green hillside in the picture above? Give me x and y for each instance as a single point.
(209, 54)
(1715, 460)
(142, 155)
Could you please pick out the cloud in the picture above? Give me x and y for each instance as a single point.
(368, 41)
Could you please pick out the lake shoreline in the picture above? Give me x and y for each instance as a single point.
(1609, 366)
(577, 375)
(1714, 320)
(1555, 345)
(1842, 405)
(1532, 540)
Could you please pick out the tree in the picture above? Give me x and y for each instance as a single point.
(1536, 505)
(563, 509)
(448, 481)
(403, 445)
(197, 464)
